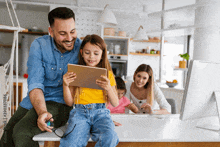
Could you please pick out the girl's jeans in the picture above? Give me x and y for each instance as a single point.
(92, 120)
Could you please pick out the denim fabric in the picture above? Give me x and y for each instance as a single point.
(46, 67)
(92, 120)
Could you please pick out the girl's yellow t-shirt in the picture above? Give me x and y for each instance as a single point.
(89, 95)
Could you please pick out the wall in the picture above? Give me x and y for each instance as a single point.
(86, 23)
(27, 19)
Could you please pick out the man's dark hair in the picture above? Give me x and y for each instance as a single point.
(60, 12)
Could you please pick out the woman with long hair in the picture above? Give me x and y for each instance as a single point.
(145, 94)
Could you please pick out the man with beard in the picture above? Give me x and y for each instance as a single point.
(47, 63)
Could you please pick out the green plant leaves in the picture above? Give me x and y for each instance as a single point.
(184, 56)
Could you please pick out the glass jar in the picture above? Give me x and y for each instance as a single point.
(152, 51)
(117, 49)
(111, 49)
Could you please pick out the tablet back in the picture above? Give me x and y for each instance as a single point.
(86, 75)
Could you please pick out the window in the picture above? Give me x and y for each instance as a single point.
(171, 60)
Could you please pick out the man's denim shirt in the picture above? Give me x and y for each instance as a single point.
(46, 67)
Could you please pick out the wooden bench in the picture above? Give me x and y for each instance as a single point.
(52, 137)
(47, 136)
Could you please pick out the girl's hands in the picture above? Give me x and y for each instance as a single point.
(68, 78)
(147, 107)
(104, 83)
(117, 123)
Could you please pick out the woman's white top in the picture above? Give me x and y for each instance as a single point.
(160, 101)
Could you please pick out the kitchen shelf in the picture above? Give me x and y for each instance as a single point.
(159, 13)
(142, 54)
(192, 6)
(116, 37)
(7, 46)
(117, 55)
(111, 37)
(150, 41)
(10, 28)
(179, 31)
(183, 69)
(23, 32)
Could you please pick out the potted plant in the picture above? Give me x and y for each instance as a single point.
(182, 64)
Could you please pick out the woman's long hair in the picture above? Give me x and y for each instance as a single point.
(104, 63)
(149, 86)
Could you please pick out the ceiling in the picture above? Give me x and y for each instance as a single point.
(118, 6)
(126, 5)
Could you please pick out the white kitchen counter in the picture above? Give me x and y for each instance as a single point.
(153, 128)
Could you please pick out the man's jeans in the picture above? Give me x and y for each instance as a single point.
(90, 120)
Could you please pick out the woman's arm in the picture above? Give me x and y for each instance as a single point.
(161, 111)
(165, 107)
(68, 91)
(149, 110)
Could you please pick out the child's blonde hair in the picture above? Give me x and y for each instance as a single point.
(104, 63)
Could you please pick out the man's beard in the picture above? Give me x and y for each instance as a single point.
(61, 47)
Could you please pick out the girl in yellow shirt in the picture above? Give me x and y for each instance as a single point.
(91, 118)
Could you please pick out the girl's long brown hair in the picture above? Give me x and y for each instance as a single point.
(149, 86)
(104, 63)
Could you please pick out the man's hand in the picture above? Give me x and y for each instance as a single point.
(41, 121)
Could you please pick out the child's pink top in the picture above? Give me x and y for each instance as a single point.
(124, 101)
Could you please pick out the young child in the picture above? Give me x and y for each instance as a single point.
(90, 116)
(123, 101)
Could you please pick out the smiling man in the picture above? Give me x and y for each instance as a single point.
(47, 63)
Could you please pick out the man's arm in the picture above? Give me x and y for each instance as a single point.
(38, 102)
(36, 79)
